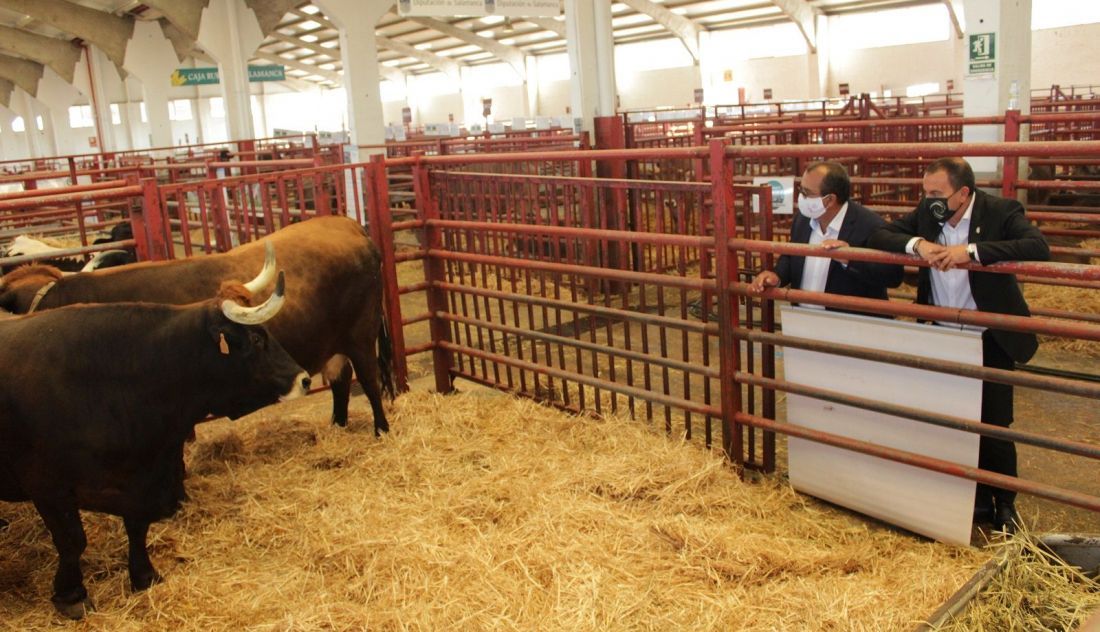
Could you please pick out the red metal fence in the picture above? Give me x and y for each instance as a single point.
(612, 293)
(534, 285)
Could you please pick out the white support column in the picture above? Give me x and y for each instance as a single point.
(605, 57)
(196, 111)
(819, 61)
(151, 58)
(359, 54)
(1000, 29)
(99, 71)
(10, 147)
(230, 32)
(259, 117)
(56, 96)
(23, 105)
(591, 60)
(532, 86)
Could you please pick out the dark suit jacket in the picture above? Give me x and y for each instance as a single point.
(860, 278)
(1002, 233)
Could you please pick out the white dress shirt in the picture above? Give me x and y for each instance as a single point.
(951, 288)
(815, 270)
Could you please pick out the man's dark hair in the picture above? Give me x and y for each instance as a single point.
(835, 180)
(959, 173)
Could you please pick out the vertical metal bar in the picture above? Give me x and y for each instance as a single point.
(729, 346)
(155, 219)
(434, 273)
(1011, 170)
(381, 230)
(767, 359)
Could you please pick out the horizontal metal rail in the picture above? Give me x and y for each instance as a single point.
(541, 336)
(1037, 269)
(1001, 376)
(595, 382)
(1042, 490)
(67, 252)
(945, 421)
(70, 198)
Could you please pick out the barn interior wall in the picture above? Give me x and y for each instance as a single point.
(893, 68)
(436, 109)
(553, 98)
(652, 88)
(1065, 56)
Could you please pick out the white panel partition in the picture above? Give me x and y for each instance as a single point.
(932, 504)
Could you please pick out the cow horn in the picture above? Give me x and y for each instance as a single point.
(259, 314)
(263, 279)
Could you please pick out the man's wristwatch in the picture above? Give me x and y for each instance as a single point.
(972, 251)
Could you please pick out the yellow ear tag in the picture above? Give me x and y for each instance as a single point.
(223, 346)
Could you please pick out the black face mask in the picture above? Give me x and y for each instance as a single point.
(936, 207)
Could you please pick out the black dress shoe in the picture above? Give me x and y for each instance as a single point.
(1005, 518)
(983, 514)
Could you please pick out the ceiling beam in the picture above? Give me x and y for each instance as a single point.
(59, 55)
(511, 55)
(185, 15)
(447, 66)
(548, 24)
(182, 43)
(313, 70)
(6, 88)
(802, 14)
(300, 43)
(269, 12)
(677, 24)
(109, 32)
(316, 17)
(23, 73)
(393, 74)
(954, 10)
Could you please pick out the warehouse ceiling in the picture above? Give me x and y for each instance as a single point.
(307, 43)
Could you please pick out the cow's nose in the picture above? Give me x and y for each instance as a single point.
(305, 383)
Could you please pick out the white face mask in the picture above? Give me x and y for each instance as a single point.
(811, 207)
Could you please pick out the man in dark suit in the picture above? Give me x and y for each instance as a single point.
(956, 224)
(828, 218)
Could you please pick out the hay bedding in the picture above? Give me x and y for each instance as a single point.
(482, 512)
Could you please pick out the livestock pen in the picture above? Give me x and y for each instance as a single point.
(577, 291)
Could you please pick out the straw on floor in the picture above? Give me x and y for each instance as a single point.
(483, 512)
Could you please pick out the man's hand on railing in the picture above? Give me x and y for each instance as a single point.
(948, 257)
(833, 244)
(764, 280)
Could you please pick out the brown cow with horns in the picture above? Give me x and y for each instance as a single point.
(78, 432)
(333, 311)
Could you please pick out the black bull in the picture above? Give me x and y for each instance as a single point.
(96, 402)
(333, 309)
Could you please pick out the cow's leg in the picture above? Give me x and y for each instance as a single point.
(62, 518)
(142, 574)
(366, 367)
(338, 373)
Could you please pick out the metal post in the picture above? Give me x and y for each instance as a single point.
(1011, 170)
(434, 272)
(380, 224)
(155, 222)
(729, 356)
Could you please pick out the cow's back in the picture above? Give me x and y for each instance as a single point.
(333, 284)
